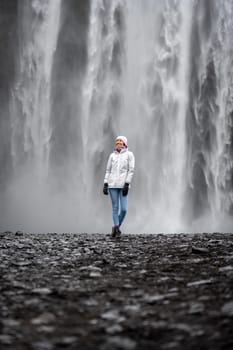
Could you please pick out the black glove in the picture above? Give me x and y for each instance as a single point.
(105, 189)
(125, 189)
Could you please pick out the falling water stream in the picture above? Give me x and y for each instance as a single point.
(30, 109)
(159, 72)
(31, 94)
(159, 52)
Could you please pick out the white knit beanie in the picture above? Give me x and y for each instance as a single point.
(124, 139)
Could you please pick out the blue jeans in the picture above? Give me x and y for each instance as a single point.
(118, 199)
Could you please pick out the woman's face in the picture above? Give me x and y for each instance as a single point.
(119, 143)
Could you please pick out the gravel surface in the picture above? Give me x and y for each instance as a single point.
(91, 291)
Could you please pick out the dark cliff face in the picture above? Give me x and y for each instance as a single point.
(69, 66)
(8, 46)
(201, 115)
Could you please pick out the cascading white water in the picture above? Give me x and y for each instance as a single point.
(31, 108)
(101, 83)
(31, 99)
(222, 161)
(156, 84)
(159, 72)
(143, 64)
(212, 125)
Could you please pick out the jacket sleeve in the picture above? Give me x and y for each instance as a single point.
(108, 169)
(131, 168)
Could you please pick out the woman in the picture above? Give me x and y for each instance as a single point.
(118, 176)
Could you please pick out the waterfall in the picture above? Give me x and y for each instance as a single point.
(209, 121)
(222, 164)
(102, 84)
(31, 100)
(30, 107)
(156, 81)
(117, 97)
(158, 72)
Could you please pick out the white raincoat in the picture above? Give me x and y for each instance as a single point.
(120, 168)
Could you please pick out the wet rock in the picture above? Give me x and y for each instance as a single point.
(42, 345)
(151, 299)
(18, 233)
(157, 325)
(199, 283)
(170, 345)
(227, 309)
(119, 343)
(195, 261)
(113, 315)
(204, 297)
(11, 323)
(90, 268)
(105, 261)
(181, 327)
(199, 250)
(6, 339)
(116, 328)
(43, 319)
(42, 291)
(68, 340)
(32, 302)
(90, 302)
(226, 268)
(196, 308)
(46, 329)
(95, 274)
(77, 290)
(132, 309)
(128, 286)
(123, 266)
(22, 263)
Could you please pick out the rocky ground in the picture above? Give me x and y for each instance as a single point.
(90, 291)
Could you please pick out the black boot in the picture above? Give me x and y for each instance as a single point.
(118, 231)
(114, 231)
